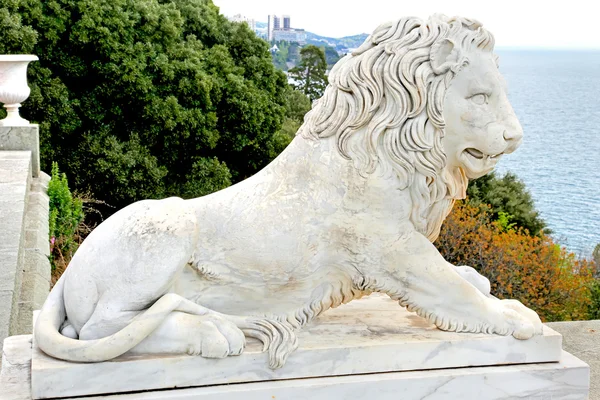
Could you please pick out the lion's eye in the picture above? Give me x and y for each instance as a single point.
(480, 99)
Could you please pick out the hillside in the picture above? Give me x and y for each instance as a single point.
(342, 45)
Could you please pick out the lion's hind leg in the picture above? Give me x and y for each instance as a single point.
(188, 329)
(182, 333)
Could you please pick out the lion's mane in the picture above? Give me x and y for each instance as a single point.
(390, 89)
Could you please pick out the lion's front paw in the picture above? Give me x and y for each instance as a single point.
(518, 320)
(218, 338)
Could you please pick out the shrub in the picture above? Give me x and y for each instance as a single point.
(595, 287)
(66, 215)
(533, 269)
(507, 196)
(595, 299)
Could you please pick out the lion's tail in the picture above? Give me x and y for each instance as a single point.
(278, 337)
(53, 343)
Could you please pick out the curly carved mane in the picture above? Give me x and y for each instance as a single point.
(390, 90)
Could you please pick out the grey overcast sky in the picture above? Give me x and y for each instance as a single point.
(514, 23)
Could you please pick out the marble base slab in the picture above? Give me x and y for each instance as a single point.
(567, 380)
(564, 380)
(372, 335)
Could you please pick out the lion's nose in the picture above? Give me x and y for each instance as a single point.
(513, 135)
(513, 138)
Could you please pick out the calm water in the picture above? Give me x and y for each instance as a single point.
(556, 95)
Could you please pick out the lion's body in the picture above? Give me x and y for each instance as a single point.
(238, 264)
(350, 207)
(316, 237)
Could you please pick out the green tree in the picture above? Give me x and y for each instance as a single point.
(510, 201)
(296, 106)
(331, 55)
(309, 76)
(146, 98)
(16, 37)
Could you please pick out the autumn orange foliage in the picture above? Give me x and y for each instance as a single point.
(535, 270)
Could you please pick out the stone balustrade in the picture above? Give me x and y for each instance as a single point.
(24, 246)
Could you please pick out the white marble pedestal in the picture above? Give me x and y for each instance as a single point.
(370, 348)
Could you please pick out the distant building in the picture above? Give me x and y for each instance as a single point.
(290, 35)
(273, 23)
(240, 18)
(286, 33)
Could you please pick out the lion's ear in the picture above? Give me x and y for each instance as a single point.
(443, 55)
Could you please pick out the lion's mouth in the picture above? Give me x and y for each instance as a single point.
(480, 155)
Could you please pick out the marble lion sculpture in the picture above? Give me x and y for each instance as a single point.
(349, 208)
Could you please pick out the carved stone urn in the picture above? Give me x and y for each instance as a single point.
(13, 86)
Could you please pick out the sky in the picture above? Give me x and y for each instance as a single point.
(568, 24)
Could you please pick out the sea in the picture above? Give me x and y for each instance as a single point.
(556, 96)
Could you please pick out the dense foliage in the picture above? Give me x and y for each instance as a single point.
(146, 98)
(66, 215)
(296, 105)
(532, 269)
(510, 202)
(309, 75)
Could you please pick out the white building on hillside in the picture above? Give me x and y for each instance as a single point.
(274, 22)
(240, 18)
(290, 35)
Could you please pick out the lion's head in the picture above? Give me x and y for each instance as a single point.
(425, 100)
